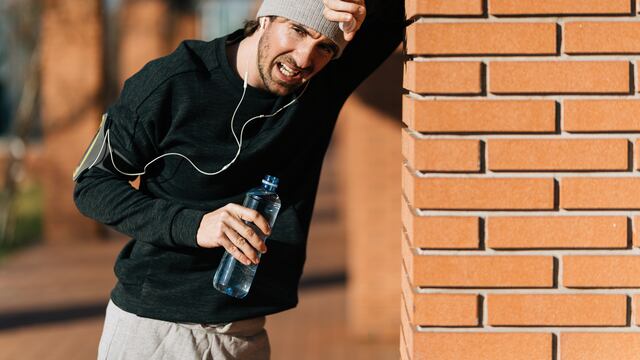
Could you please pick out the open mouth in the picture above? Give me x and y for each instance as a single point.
(287, 72)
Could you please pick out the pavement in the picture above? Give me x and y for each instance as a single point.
(53, 297)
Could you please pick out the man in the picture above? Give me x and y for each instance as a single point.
(199, 125)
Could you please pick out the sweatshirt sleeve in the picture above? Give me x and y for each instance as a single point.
(109, 198)
(380, 34)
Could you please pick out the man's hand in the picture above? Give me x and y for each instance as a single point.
(349, 11)
(224, 227)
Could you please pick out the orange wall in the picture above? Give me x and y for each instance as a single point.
(149, 29)
(368, 133)
(71, 63)
(520, 181)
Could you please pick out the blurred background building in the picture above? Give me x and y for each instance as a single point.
(61, 63)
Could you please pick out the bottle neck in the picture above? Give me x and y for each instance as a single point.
(269, 188)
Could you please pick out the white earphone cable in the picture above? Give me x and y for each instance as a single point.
(107, 139)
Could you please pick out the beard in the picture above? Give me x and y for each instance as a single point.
(266, 66)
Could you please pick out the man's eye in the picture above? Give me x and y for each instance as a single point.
(327, 49)
(299, 31)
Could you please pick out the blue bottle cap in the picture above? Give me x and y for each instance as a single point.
(271, 180)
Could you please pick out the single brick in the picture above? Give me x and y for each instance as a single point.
(558, 154)
(587, 271)
(440, 309)
(480, 116)
(611, 115)
(441, 154)
(483, 345)
(443, 7)
(478, 193)
(444, 77)
(556, 310)
(481, 271)
(602, 37)
(549, 232)
(559, 7)
(446, 310)
(560, 77)
(600, 193)
(482, 38)
(441, 232)
(599, 345)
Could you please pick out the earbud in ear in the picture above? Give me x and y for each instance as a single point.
(263, 23)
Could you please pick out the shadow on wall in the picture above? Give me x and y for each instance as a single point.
(382, 91)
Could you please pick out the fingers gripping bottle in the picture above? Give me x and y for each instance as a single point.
(233, 277)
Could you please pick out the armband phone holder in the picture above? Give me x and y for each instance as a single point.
(96, 152)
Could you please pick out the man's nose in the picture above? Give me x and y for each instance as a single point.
(304, 57)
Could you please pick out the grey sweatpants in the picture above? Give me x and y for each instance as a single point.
(128, 336)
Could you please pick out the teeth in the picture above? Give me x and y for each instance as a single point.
(287, 70)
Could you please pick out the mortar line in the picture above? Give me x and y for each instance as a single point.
(558, 353)
(633, 158)
(524, 213)
(527, 291)
(611, 57)
(490, 252)
(492, 19)
(632, 311)
(529, 175)
(533, 329)
(561, 24)
(485, 309)
(629, 136)
(490, 96)
(634, 76)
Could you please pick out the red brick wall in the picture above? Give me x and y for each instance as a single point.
(520, 186)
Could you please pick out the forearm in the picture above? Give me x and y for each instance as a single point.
(112, 201)
(382, 30)
(392, 10)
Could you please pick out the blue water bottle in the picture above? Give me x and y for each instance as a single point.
(233, 277)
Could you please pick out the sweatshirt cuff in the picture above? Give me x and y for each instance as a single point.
(184, 227)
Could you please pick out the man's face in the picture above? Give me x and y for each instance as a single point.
(289, 54)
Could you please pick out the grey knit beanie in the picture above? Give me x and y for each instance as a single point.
(308, 13)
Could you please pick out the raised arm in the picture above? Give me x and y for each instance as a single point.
(377, 36)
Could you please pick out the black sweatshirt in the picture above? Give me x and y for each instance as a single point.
(183, 103)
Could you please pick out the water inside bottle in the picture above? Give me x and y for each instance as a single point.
(236, 278)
